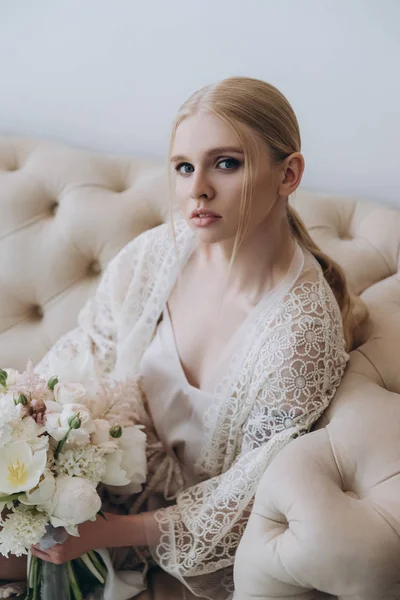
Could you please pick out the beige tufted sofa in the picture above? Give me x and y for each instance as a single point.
(327, 512)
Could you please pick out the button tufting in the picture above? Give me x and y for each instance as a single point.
(53, 207)
(94, 268)
(37, 311)
(352, 495)
(119, 188)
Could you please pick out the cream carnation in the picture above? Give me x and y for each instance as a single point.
(20, 530)
(87, 462)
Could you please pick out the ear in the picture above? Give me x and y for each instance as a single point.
(292, 172)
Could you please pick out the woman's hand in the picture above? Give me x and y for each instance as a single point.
(113, 532)
(92, 534)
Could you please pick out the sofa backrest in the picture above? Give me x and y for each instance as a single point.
(66, 212)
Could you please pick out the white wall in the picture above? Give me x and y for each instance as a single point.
(110, 74)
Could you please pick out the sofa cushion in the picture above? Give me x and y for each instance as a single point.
(65, 214)
(326, 514)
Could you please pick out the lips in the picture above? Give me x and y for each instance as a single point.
(198, 212)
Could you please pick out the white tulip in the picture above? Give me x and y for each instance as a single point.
(20, 469)
(69, 393)
(42, 495)
(57, 423)
(75, 501)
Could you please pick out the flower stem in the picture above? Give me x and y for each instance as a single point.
(9, 497)
(92, 568)
(61, 443)
(36, 589)
(73, 582)
(98, 563)
(29, 570)
(29, 592)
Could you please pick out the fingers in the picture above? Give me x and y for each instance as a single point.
(53, 555)
(36, 551)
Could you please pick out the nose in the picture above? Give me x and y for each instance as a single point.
(200, 186)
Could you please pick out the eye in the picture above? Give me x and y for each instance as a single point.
(231, 163)
(183, 171)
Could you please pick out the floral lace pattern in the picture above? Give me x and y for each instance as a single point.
(278, 384)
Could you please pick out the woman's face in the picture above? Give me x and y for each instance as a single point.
(209, 164)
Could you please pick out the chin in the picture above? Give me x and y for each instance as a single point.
(207, 236)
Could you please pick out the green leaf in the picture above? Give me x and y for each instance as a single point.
(3, 377)
(52, 382)
(22, 399)
(10, 497)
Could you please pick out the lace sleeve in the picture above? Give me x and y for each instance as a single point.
(196, 539)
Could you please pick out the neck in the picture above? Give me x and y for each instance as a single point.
(261, 261)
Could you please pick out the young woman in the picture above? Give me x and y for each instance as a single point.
(237, 326)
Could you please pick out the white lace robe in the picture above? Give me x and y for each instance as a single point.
(278, 384)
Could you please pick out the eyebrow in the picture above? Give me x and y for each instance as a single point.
(218, 150)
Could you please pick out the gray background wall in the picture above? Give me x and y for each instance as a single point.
(110, 74)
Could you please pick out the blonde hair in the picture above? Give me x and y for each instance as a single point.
(252, 105)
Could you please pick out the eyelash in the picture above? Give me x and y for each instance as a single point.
(236, 165)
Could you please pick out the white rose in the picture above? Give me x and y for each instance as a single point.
(12, 376)
(69, 393)
(57, 424)
(75, 501)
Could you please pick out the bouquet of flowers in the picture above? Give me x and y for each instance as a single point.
(59, 439)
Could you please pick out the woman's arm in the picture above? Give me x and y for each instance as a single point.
(114, 531)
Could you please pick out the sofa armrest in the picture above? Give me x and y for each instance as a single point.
(308, 532)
